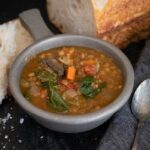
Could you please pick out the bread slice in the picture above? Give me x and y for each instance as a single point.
(13, 39)
(117, 21)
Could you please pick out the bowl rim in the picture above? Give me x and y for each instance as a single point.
(74, 119)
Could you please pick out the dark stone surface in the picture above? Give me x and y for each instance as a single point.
(29, 135)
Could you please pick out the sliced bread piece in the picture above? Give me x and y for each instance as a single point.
(13, 39)
(117, 21)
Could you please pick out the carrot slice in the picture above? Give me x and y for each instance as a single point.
(71, 71)
(43, 93)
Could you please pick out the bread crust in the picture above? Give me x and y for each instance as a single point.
(123, 22)
(119, 12)
(133, 31)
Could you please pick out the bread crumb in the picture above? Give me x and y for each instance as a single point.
(6, 136)
(21, 120)
(20, 141)
(5, 119)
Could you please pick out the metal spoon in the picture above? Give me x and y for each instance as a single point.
(141, 107)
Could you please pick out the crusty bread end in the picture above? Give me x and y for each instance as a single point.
(117, 21)
(132, 31)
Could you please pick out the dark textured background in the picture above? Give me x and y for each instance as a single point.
(30, 135)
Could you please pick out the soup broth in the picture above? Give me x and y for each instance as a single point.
(71, 80)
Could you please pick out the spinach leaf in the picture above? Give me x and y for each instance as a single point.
(57, 101)
(87, 90)
(87, 80)
(50, 81)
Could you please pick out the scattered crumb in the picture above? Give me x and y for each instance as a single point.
(12, 127)
(11, 108)
(6, 136)
(5, 119)
(4, 147)
(41, 137)
(21, 120)
(20, 141)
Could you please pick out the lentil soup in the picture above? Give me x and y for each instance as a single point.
(71, 80)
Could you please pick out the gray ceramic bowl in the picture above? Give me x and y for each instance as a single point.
(70, 123)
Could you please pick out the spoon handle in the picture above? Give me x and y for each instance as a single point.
(135, 144)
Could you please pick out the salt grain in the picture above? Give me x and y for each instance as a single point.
(11, 108)
(11, 127)
(21, 120)
(5, 119)
(20, 141)
(6, 136)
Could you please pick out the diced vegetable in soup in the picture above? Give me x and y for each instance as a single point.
(71, 80)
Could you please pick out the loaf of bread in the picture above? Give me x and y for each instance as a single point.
(117, 21)
(13, 39)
